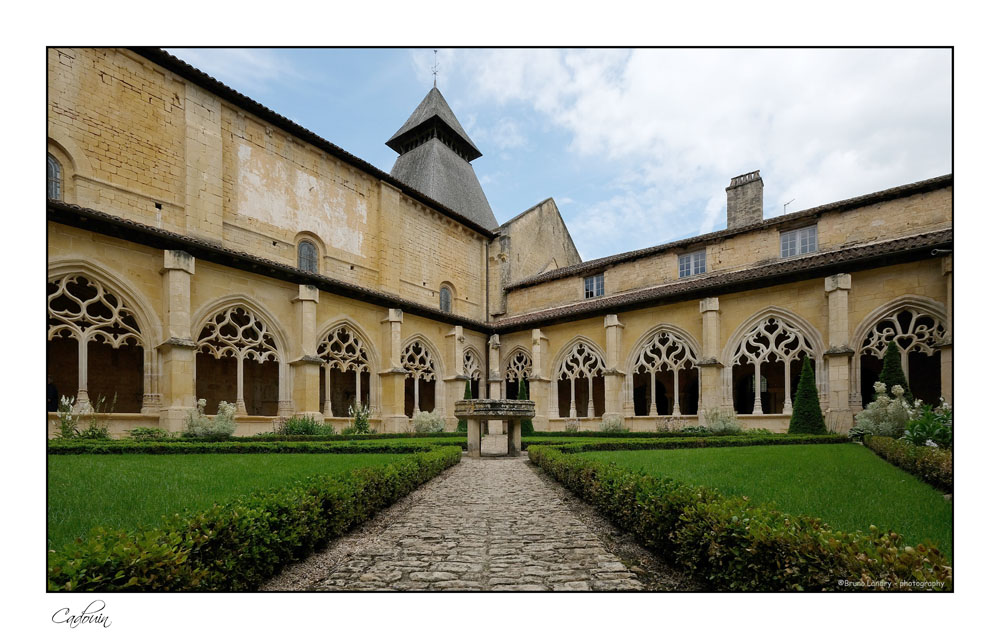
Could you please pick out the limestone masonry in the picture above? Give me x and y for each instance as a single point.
(201, 246)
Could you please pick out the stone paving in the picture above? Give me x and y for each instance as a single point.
(486, 524)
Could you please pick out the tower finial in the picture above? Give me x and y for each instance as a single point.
(434, 69)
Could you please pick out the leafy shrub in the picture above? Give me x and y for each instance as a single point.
(302, 425)
(722, 422)
(883, 417)
(932, 427)
(68, 420)
(614, 424)
(735, 545)
(527, 426)
(236, 546)
(572, 426)
(431, 422)
(695, 430)
(669, 424)
(807, 415)
(149, 434)
(199, 426)
(933, 465)
(360, 420)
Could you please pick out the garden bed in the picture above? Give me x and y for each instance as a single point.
(733, 543)
(236, 546)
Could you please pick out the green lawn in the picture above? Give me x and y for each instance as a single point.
(125, 491)
(845, 485)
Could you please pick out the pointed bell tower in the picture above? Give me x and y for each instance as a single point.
(434, 158)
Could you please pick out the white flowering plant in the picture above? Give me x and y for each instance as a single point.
(200, 426)
(615, 424)
(67, 418)
(360, 415)
(431, 422)
(885, 416)
(722, 422)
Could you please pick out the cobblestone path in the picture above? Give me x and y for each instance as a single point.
(486, 524)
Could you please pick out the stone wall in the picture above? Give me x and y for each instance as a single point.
(911, 215)
(139, 142)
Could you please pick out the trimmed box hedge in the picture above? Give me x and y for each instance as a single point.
(237, 546)
(933, 465)
(188, 447)
(627, 443)
(734, 545)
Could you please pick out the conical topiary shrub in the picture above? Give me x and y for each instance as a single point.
(807, 416)
(463, 424)
(527, 428)
(892, 372)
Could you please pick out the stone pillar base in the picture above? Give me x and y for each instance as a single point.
(174, 420)
(395, 423)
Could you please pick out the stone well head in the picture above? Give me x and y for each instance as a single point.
(494, 408)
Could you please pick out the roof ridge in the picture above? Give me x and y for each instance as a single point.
(903, 190)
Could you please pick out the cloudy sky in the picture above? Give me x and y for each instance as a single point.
(635, 146)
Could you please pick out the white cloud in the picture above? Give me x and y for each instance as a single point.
(675, 125)
(252, 71)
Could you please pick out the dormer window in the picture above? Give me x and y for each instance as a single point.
(593, 286)
(691, 264)
(53, 176)
(799, 241)
(308, 257)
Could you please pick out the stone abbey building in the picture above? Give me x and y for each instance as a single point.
(203, 246)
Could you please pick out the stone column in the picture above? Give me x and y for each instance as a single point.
(455, 376)
(839, 416)
(614, 374)
(305, 364)
(710, 368)
(495, 381)
(393, 378)
(474, 436)
(947, 361)
(177, 352)
(541, 386)
(514, 438)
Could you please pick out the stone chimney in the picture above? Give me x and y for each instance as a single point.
(744, 200)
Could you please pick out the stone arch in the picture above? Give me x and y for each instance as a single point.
(428, 370)
(208, 312)
(814, 347)
(516, 366)
(691, 373)
(589, 365)
(371, 367)
(474, 367)
(143, 336)
(927, 338)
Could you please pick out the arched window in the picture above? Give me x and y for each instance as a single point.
(472, 368)
(226, 342)
(419, 367)
(53, 176)
(308, 257)
(518, 368)
(917, 335)
(581, 379)
(108, 348)
(664, 379)
(446, 295)
(766, 366)
(346, 372)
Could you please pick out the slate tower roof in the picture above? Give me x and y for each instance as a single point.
(435, 155)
